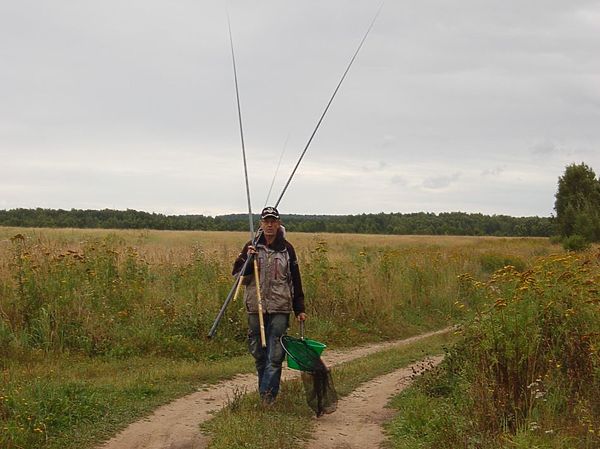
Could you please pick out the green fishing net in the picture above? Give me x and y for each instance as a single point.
(305, 355)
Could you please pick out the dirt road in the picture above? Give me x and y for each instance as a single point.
(356, 424)
(175, 425)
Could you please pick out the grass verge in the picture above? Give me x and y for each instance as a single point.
(244, 424)
(67, 402)
(527, 372)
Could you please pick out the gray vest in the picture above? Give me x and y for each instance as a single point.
(275, 282)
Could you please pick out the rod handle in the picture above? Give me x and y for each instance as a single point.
(261, 320)
(238, 288)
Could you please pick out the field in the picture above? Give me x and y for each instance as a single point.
(134, 293)
(78, 305)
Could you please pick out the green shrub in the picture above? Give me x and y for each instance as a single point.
(528, 369)
(575, 243)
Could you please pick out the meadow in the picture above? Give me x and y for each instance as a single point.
(76, 306)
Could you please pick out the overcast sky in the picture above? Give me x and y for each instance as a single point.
(471, 105)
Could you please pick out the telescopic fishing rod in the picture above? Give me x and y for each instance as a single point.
(328, 104)
(277, 170)
(239, 110)
(237, 283)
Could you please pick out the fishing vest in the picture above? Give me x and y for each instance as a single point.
(275, 278)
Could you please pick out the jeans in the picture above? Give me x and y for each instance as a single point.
(268, 360)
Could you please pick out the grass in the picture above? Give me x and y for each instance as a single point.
(59, 402)
(131, 293)
(95, 302)
(527, 371)
(244, 424)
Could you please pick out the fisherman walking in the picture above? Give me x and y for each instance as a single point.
(280, 291)
(268, 265)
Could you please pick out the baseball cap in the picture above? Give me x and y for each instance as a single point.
(269, 212)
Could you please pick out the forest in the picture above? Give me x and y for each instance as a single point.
(420, 223)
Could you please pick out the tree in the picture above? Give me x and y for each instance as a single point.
(577, 203)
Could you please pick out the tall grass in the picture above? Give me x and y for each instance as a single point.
(121, 293)
(104, 297)
(528, 370)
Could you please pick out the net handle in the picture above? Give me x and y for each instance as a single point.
(302, 330)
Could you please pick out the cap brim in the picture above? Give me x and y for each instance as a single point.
(271, 216)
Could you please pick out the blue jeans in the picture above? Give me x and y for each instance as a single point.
(268, 360)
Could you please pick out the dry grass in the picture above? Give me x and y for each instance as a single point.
(136, 291)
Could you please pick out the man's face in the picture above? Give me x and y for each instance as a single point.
(270, 226)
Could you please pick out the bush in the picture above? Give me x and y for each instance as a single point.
(575, 243)
(528, 370)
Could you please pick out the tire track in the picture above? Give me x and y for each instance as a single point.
(175, 425)
(357, 422)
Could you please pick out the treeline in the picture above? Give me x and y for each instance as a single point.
(421, 223)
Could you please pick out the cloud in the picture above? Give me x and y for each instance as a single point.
(399, 180)
(440, 182)
(132, 104)
(388, 141)
(375, 166)
(495, 171)
(545, 148)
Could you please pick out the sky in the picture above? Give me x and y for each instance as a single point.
(474, 106)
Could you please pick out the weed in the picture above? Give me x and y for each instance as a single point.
(527, 370)
(234, 401)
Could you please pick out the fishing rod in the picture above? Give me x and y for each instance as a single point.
(237, 283)
(328, 104)
(239, 110)
(277, 170)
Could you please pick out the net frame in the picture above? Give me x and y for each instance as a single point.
(316, 377)
(288, 342)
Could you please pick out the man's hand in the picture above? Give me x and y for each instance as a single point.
(301, 317)
(251, 250)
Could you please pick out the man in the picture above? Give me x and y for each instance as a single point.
(281, 293)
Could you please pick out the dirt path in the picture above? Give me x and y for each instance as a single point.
(357, 421)
(175, 425)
